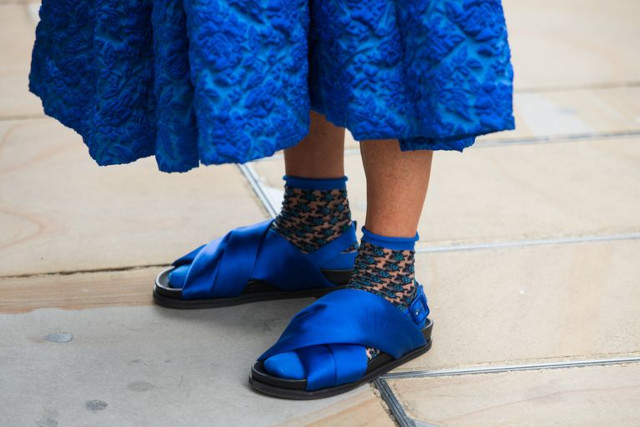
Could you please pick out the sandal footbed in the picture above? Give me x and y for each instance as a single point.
(271, 385)
(166, 296)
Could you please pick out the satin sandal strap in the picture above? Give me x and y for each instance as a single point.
(222, 267)
(350, 316)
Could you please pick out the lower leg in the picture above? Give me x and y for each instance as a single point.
(397, 185)
(315, 208)
(320, 154)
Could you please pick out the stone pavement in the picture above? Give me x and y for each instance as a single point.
(530, 254)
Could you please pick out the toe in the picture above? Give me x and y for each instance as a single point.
(178, 275)
(285, 365)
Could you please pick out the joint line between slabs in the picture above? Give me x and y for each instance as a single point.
(252, 176)
(592, 86)
(87, 271)
(395, 407)
(509, 368)
(22, 116)
(524, 243)
(550, 139)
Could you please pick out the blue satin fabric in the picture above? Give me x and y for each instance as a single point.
(223, 267)
(226, 81)
(331, 334)
(333, 364)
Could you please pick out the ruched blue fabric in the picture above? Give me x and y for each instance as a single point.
(229, 81)
(330, 335)
(222, 267)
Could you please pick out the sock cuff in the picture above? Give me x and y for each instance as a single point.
(395, 243)
(316, 183)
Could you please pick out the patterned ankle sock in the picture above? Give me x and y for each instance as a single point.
(385, 266)
(314, 212)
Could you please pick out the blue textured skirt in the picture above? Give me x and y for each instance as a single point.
(228, 81)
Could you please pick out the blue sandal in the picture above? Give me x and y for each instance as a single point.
(255, 263)
(322, 352)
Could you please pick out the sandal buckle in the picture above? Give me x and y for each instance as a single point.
(419, 309)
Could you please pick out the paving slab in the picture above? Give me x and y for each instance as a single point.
(17, 34)
(60, 211)
(129, 287)
(573, 42)
(577, 114)
(523, 192)
(531, 304)
(154, 366)
(593, 396)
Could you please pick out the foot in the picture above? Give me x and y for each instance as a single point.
(322, 352)
(314, 212)
(384, 266)
(313, 238)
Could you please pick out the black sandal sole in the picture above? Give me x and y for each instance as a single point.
(267, 384)
(255, 291)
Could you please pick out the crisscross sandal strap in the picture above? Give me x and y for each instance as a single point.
(352, 317)
(222, 267)
(333, 364)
